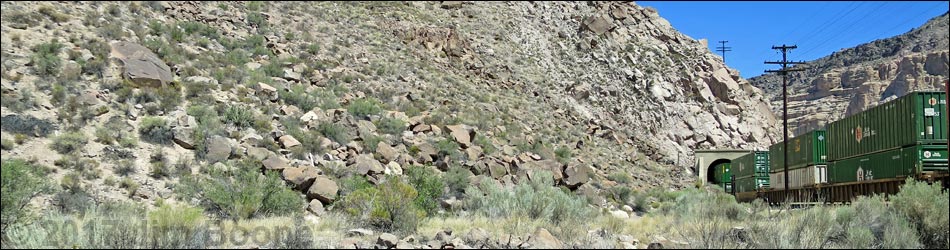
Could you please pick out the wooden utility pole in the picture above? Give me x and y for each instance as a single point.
(784, 72)
(723, 49)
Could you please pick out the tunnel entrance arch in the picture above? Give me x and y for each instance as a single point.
(711, 169)
(706, 159)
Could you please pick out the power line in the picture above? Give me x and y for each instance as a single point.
(850, 25)
(723, 49)
(824, 27)
(784, 72)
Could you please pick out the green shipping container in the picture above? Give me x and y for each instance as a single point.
(755, 163)
(916, 118)
(896, 163)
(804, 150)
(751, 184)
(722, 174)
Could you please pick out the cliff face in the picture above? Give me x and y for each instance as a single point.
(857, 78)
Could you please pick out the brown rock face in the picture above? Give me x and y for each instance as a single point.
(141, 65)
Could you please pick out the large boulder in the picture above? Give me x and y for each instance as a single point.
(386, 152)
(140, 65)
(301, 177)
(183, 137)
(544, 239)
(577, 175)
(219, 149)
(323, 189)
(462, 134)
(275, 162)
(288, 141)
(316, 207)
(365, 164)
(597, 24)
(387, 240)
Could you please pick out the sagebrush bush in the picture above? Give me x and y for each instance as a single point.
(21, 182)
(69, 142)
(384, 207)
(364, 108)
(457, 179)
(239, 116)
(335, 132)
(391, 126)
(535, 199)
(485, 143)
(428, 185)
(177, 227)
(155, 130)
(46, 59)
(26, 125)
(243, 193)
(926, 207)
(7, 144)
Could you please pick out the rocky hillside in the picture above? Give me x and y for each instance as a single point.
(854, 79)
(130, 101)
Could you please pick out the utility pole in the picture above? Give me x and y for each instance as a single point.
(784, 72)
(723, 49)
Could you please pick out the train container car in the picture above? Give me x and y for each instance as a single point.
(723, 176)
(754, 163)
(800, 177)
(751, 184)
(805, 150)
(896, 163)
(916, 118)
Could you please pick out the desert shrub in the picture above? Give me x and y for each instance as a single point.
(69, 142)
(563, 154)
(457, 179)
(239, 116)
(364, 108)
(54, 15)
(926, 207)
(535, 199)
(428, 185)
(130, 186)
(384, 207)
(209, 124)
(352, 183)
(448, 148)
(27, 125)
(46, 59)
(391, 126)
(6, 144)
(124, 168)
(485, 143)
(299, 236)
(21, 182)
(334, 132)
(177, 227)
(169, 97)
(620, 194)
(619, 177)
(155, 130)
(243, 193)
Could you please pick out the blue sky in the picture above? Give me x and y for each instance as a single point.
(818, 28)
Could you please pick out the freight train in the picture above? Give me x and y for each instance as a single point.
(871, 152)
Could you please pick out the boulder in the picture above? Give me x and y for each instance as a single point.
(275, 162)
(620, 214)
(544, 239)
(393, 168)
(323, 189)
(359, 232)
(140, 65)
(316, 207)
(474, 152)
(462, 134)
(183, 137)
(577, 175)
(259, 153)
(388, 153)
(301, 177)
(288, 141)
(365, 164)
(597, 24)
(219, 149)
(387, 240)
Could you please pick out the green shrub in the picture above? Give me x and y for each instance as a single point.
(334, 132)
(620, 194)
(177, 227)
(26, 125)
(364, 108)
(46, 59)
(536, 199)
(129, 185)
(384, 207)
(353, 183)
(54, 15)
(563, 154)
(429, 186)
(371, 142)
(448, 148)
(125, 168)
(21, 182)
(7, 144)
(69, 142)
(243, 193)
(926, 207)
(169, 97)
(619, 177)
(391, 126)
(155, 130)
(239, 116)
(457, 178)
(485, 143)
